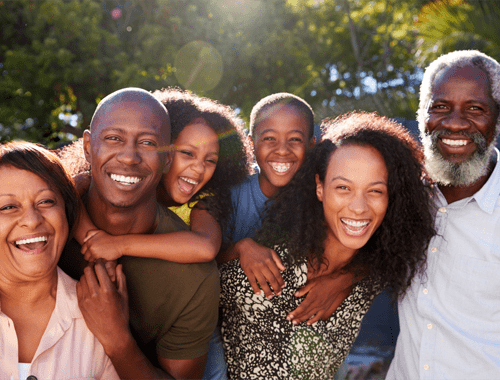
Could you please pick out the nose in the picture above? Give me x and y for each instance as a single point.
(129, 155)
(282, 147)
(198, 166)
(455, 122)
(31, 218)
(358, 204)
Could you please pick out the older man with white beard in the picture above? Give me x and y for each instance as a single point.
(450, 320)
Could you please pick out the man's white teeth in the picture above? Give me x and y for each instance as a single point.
(189, 180)
(125, 180)
(281, 167)
(32, 240)
(454, 142)
(354, 223)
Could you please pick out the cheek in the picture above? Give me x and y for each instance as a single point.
(209, 173)
(380, 208)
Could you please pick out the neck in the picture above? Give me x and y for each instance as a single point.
(456, 193)
(137, 219)
(336, 256)
(28, 292)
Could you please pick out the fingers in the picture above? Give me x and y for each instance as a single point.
(253, 283)
(302, 313)
(89, 235)
(268, 293)
(102, 275)
(304, 290)
(268, 282)
(91, 279)
(122, 281)
(277, 261)
(315, 318)
(111, 269)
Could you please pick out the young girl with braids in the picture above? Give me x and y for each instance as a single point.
(358, 204)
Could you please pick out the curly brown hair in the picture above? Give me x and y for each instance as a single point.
(396, 252)
(234, 150)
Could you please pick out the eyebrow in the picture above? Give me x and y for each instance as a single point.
(196, 148)
(348, 180)
(124, 131)
(441, 100)
(39, 191)
(272, 130)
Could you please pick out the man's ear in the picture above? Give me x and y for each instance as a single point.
(319, 188)
(168, 158)
(86, 145)
(312, 142)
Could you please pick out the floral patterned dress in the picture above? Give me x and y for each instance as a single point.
(259, 343)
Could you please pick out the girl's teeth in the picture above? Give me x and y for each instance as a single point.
(124, 180)
(455, 142)
(281, 168)
(32, 240)
(189, 180)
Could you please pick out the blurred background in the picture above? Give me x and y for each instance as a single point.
(58, 58)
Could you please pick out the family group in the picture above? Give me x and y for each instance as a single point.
(169, 242)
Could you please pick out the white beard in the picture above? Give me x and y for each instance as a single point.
(447, 173)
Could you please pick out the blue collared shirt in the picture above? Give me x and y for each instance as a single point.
(450, 318)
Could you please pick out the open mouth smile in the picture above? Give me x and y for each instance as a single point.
(454, 143)
(125, 180)
(186, 184)
(354, 227)
(281, 167)
(32, 245)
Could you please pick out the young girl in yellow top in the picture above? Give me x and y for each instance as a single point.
(209, 156)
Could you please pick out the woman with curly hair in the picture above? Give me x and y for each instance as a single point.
(357, 203)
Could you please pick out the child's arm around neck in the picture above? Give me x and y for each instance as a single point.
(200, 244)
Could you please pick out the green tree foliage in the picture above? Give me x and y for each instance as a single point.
(60, 57)
(54, 56)
(448, 25)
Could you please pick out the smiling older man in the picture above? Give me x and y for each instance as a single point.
(450, 319)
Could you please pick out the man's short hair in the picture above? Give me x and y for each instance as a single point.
(458, 59)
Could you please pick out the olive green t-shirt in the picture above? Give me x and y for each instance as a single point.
(173, 306)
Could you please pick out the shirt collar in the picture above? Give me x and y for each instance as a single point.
(487, 196)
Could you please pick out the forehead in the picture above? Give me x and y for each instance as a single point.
(455, 80)
(14, 180)
(357, 162)
(133, 116)
(197, 132)
(282, 118)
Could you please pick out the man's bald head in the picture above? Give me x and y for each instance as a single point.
(136, 95)
(127, 148)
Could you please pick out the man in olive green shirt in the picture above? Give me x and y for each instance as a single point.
(173, 307)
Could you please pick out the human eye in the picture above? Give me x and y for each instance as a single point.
(342, 187)
(112, 138)
(7, 208)
(186, 152)
(476, 108)
(296, 139)
(212, 161)
(437, 107)
(268, 138)
(148, 144)
(47, 202)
